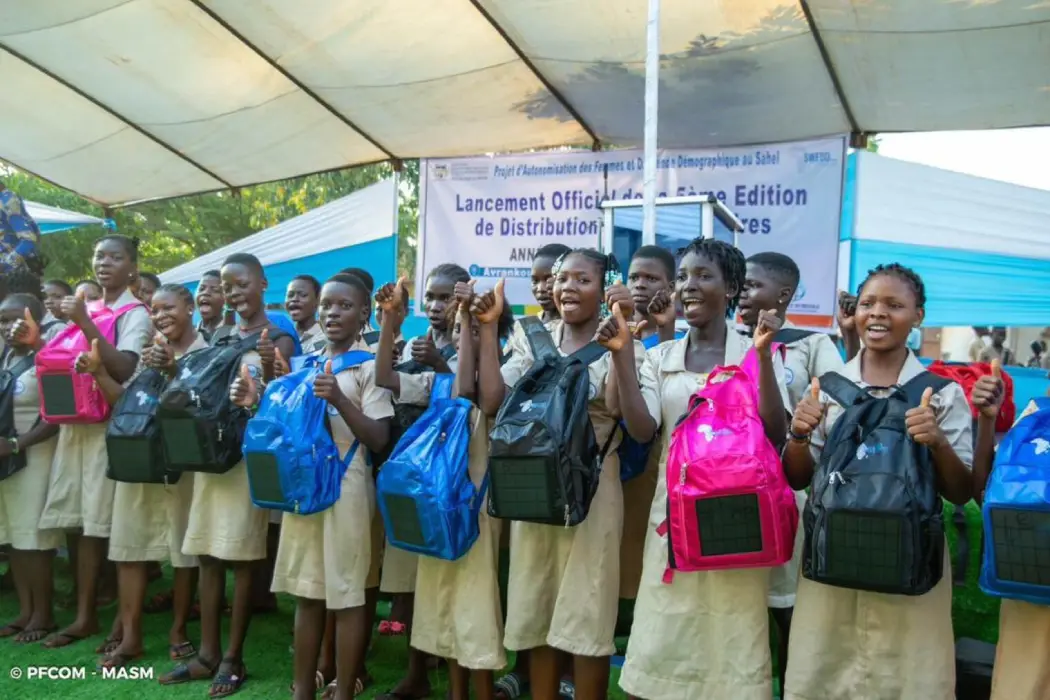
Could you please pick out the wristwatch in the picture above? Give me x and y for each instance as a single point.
(14, 445)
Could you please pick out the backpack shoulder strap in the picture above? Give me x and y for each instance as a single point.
(589, 353)
(350, 359)
(442, 387)
(128, 307)
(1042, 403)
(791, 335)
(371, 337)
(845, 392)
(540, 341)
(914, 387)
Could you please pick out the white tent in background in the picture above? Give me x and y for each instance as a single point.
(53, 219)
(358, 230)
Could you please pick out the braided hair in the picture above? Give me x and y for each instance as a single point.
(730, 262)
(180, 291)
(450, 270)
(904, 274)
(610, 268)
(21, 280)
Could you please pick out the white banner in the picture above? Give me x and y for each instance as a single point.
(491, 213)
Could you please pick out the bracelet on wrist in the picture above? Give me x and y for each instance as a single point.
(795, 437)
(15, 449)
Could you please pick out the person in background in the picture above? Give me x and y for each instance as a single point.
(92, 290)
(982, 341)
(769, 285)
(55, 291)
(19, 235)
(1037, 348)
(845, 313)
(997, 350)
(22, 494)
(650, 280)
(148, 284)
(300, 301)
(211, 305)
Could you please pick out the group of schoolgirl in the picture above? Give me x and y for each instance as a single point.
(672, 486)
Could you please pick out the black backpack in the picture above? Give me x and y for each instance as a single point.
(544, 460)
(14, 463)
(874, 519)
(201, 429)
(786, 336)
(133, 441)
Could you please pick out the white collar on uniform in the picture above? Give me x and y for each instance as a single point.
(674, 358)
(911, 369)
(124, 299)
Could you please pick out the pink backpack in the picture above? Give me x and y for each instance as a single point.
(67, 396)
(729, 505)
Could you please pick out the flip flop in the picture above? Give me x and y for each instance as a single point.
(115, 660)
(229, 679)
(319, 683)
(11, 630)
(62, 640)
(31, 636)
(512, 686)
(108, 646)
(182, 651)
(567, 690)
(183, 673)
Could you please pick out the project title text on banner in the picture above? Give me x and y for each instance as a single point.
(491, 213)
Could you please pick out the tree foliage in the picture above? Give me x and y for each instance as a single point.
(175, 231)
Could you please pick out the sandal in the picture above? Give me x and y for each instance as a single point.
(11, 630)
(181, 651)
(360, 686)
(117, 660)
(108, 646)
(36, 635)
(183, 673)
(392, 628)
(62, 639)
(567, 690)
(319, 683)
(228, 680)
(512, 686)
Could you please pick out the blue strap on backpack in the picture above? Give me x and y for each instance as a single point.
(293, 463)
(428, 501)
(1016, 512)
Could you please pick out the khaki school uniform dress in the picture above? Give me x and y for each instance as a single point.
(459, 616)
(326, 556)
(149, 520)
(22, 495)
(809, 357)
(1022, 657)
(80, 496)
(224, 523)
(873, 646)
(314, 340)
(564, 581)
(705, 635)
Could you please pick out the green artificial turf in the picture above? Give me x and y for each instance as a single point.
(269, 659)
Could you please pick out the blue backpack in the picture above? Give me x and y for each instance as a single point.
(1017, 512)
(634, 455)
(429, 503)
(293, 462)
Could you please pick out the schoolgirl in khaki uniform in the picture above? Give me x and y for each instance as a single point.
(22, 495)
(563, 589)
(705, 635)
(225, 528)
(149, 520)
(860, 644)
(80, 497)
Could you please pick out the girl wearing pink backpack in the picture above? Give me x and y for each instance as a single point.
(80, 497)
(704, 635)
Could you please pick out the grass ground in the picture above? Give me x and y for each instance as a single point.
(269, 660)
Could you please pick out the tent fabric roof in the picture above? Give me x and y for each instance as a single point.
(124, 100)
(360, 217)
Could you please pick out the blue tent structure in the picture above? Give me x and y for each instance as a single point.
(53, 220)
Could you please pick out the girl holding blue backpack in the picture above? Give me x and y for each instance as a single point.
(703, 635)
(849, 636)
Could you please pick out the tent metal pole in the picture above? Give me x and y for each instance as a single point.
(652, 113)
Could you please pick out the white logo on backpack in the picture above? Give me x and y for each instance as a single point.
(1041, 446)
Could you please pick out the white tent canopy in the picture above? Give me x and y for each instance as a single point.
(294, 246)
(52, 219)
(123, 100)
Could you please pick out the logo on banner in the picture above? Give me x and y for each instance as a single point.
(440, 171)
(800, 293)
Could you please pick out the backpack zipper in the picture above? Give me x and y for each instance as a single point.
(836, 476)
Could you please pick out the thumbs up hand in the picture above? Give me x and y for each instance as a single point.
(25, 331)
(244, 391)
(614, 333)
(921, 422)
(89, 362)
(266, 348)
(326, 387)
(280, 365)
(391, 300)
(808, 413)
(160, 356)
(766, 329)
(75, 308)
(989, 392)
(488, 307)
